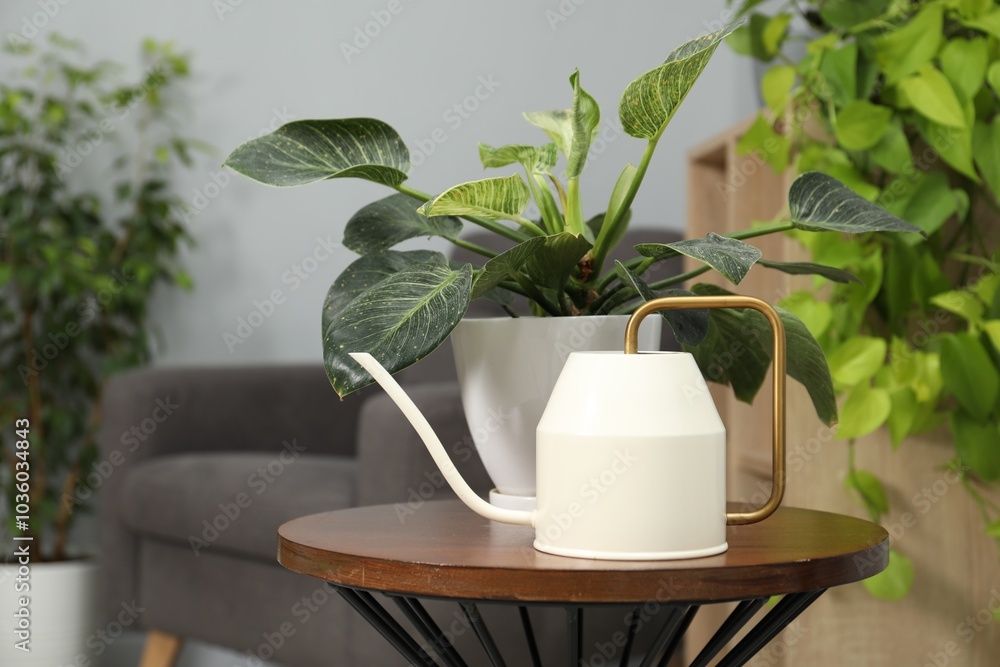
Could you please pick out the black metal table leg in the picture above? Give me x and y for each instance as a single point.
(471, 612)
(386, 626)
(529, 635)
(425, 625)
(664, 645)
(776, 620)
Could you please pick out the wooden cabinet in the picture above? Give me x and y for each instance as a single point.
(945, 620)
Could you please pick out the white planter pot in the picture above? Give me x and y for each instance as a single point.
(62, 601)
(507, 368)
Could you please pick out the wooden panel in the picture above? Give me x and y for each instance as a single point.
(933, 521)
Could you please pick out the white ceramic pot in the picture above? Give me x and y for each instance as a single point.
(507, 368)
(62, 601)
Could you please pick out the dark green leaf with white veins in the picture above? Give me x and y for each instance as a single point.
(737, 352)
(730, 257)
(386, 222)
(818, 203)
(810, 269)
(397, 306)
(649, 102)
(492, 198)
(547, 260)
(536, 160)
(690, 326)
(306, 151)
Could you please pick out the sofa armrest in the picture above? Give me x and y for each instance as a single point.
(394, 466)
(155, 412)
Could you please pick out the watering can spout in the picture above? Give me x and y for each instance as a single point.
(434, 446)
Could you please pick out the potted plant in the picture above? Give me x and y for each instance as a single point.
(399, 306)
(77, 271)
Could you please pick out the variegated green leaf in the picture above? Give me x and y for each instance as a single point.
(306, 151)
(397, 306)
(649, 102)
(386, 222)
(546, 260)
(690, 326)
(536, 160)
(818, 203)
(586, 117)
(810, 269)
(730, 257)
(491, 198)
(557, 124)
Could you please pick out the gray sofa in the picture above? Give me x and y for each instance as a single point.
(208, 462)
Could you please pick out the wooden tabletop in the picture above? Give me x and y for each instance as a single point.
(443, 549)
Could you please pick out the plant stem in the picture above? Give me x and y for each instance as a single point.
(529, 290)
(680, 278)
(574, 207)
(468, 245)
(616, 297)
(762, 230)
(528, 225)
(610, 227)
(495, 227)
(551, 226)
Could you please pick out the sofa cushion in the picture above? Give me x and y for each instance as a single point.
(233, 502)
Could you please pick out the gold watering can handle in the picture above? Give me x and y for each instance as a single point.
(778, 424)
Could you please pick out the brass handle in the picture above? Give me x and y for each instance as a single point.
(778, 423)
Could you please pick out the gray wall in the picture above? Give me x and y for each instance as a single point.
(259, 64)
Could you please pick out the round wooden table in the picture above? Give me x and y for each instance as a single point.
(444, 550)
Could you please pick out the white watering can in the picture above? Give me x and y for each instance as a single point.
(631, 452)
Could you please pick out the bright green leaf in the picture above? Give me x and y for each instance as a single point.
(969, 374)
(845, 14)
(963, 61)
(907, 49)
(650, 101)
(608, 237)
(960, 302)
(861, 125)
(857, 359)
(953, 144)
(762, 140)
(491, 198)
(386, 222)
(558, 125)
(774, 33)
(864, 411)
(871, 490)
(892, 152)
(840, 69)
(988, 23)
(978, 444)
(986, 153)
(932, 202)
(894, 582)
(776, 85)
(815, 314)
(904, 413)
(931, 95)
(306, 151)
(992, 330)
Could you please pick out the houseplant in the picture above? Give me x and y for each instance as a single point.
(399, 306)
(905, 96)
(79, 265)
